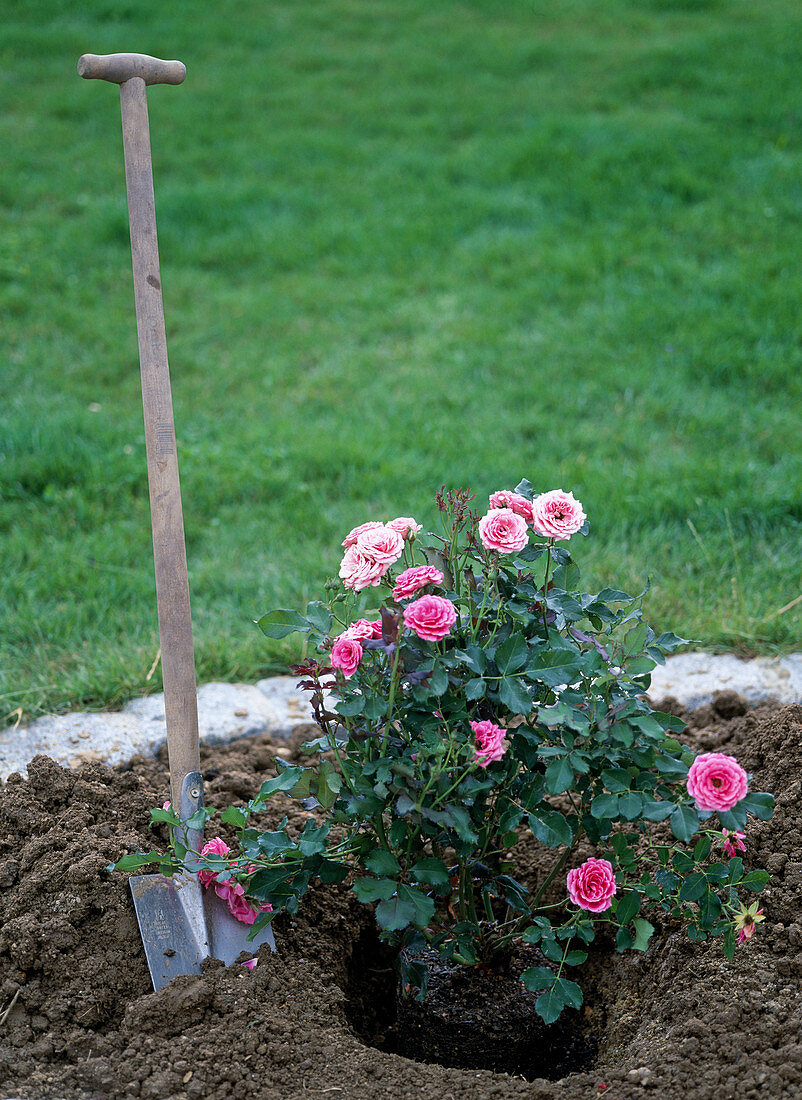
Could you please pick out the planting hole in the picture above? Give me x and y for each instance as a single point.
(472, 1018)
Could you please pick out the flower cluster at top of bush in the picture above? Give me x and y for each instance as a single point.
(483, 695)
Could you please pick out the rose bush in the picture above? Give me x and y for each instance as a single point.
(486, 694)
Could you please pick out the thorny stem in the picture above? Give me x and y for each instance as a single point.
(546, 583)
(391, 697)
(558, 866)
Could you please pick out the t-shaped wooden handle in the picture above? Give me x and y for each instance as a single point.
(119, 67)
(133, 72)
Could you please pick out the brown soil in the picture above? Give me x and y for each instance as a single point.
(84, 1022)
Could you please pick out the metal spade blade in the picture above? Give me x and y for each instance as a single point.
(180, 922)
(166, 911)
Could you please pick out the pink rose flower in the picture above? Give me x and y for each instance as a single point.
(358, 571)
(716, 781)
(557, 515)
(431, 617)
(228, 890)
(503, 530)
(592, 885)
(489, 742)
(504, 498)
(215, 847)
(412, 579)
(361, 630)
(406, 526)
(353, 535)
(381, 544)
(733, 842)
(241, 908)
(346, 653)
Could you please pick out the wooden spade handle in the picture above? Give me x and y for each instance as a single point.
(133, 72)
(169, 549)
(119, 67)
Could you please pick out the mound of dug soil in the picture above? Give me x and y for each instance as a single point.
(79, 1019)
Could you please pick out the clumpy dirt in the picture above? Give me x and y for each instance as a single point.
(79, 1019)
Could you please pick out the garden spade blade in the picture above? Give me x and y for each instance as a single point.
(181, 924)
(170, 911)
(230, 936)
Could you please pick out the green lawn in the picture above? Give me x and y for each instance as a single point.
(403, 244)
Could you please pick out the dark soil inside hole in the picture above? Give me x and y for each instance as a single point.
(485, 1019)
(471, 1018)
(79, 1019)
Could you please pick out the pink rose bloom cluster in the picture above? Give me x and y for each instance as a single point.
(363, 629)
(553, 515)
(489, 742)
(412, 580)
(232, 892)
(505, 498)
(716, 781)
(406, 526)
(592, 885)
(557, 515)
(430, 617)
(371, 549)
(346, 653)
(503, 530)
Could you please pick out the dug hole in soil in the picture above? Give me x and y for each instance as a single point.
(79, 1019)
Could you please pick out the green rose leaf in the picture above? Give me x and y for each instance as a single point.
(628, 907)
(312, 840)
(755, 881)
(514, 695)
(280, 623)
(512, 654)
(693, 888)
(374, 889)
(381, 862)
(555, 669)
(349, 708)
(684, 823)
(395, 913)
(537, 977)
(643, 933)
(284, 781)
(657, 811)
(136, 860)
(559, 775)
(475, 689)
(759, 804)
(604, 806)
(422, 904)
(234, 815)
(550, 828)
(430, 871)
(319, 616)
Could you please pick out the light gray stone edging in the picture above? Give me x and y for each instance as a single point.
(225, 711)
(278, 707)
(693, 677)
